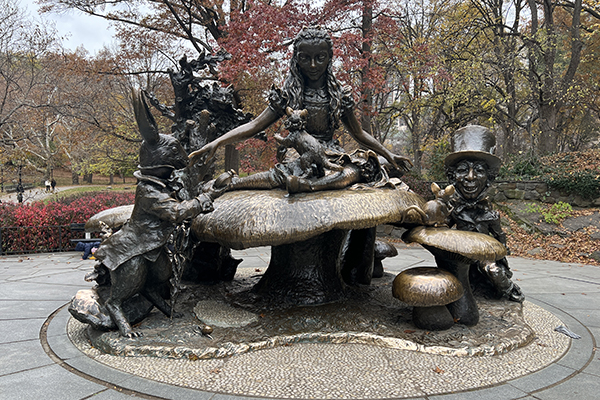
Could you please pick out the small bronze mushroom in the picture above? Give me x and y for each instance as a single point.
(455, 251)
(382, 250)
(428, 290)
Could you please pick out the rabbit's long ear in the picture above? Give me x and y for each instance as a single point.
(145, 120)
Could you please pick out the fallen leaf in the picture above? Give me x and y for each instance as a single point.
(409, 331)
(438, 370)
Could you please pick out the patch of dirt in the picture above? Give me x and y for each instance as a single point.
(573, 240)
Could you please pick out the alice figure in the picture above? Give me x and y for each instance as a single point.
(312, 86)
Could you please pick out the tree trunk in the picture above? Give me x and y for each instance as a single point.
(416, 139)
(548, 89)
(367, 92)
(232, 158)
(111, 179)
(74, 178)
(548, 141)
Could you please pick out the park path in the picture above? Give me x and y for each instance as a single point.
(31, 195)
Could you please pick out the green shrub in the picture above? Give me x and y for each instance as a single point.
(584, 183)
(522, 165)
(553, 214)
(439, 150)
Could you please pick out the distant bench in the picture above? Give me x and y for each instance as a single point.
(13, 188)
(80, 227)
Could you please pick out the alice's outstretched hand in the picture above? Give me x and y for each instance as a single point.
(208, 151)
(402, 163)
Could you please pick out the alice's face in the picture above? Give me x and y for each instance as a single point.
(471, 178)
(313, 59)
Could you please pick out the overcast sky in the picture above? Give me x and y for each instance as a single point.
(77, 28)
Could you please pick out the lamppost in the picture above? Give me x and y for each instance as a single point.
(20, 188)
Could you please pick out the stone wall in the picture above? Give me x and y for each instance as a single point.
(535, 190)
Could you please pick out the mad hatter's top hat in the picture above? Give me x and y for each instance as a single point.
(474, 142)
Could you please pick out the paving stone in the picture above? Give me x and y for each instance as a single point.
(111, 394)
(504, 392)
(569, 300)
(50, 382)
(50, 278)
(22, 356)
(27, 291)
(62, 346)
(591, 316)
(58, 325)
(581, 386)
(15, 330)
(580, 352)
(13, 309)
(164, 391)
(93, 368)
(541, 379)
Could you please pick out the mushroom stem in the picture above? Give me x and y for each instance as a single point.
(435, 318)
(305, 272)
(464, 310)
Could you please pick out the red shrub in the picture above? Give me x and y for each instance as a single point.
(37, 226)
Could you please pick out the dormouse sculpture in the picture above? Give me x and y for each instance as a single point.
(436, 212)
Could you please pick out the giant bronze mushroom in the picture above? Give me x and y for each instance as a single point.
(455, 251)
(307, 232)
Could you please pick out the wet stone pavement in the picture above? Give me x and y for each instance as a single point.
(45, 354)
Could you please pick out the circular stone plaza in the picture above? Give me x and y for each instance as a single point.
(47, 354)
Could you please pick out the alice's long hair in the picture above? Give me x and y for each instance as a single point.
(294, 83)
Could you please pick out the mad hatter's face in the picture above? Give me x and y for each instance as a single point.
(471, 178)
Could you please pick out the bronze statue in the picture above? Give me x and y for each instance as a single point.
(471, 168)
(134, 260)
(435, 212)
(311, 85)
(313, 160)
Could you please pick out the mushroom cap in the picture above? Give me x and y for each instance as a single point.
(113, 217)
(470, 245)
(426, 287)
(384, 249)
(252, 218)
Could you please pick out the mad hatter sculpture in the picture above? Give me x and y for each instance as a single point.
(471, 168)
